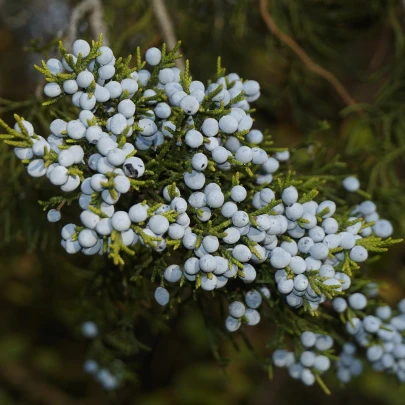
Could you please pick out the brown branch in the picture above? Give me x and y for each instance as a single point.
(403, 7)
(95, 10)
(380, 50)
(305, 58)
(166, 26)
(32, 387)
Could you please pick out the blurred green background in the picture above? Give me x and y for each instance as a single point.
(43, 294)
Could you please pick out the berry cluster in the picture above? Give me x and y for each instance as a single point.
(238, 311)
(171, 170)
(347, 365)
(313, 360)
(381, 335)
(108, 379)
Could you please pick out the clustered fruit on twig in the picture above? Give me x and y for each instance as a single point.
(162, 163)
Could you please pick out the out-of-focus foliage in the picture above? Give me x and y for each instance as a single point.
(42, 296)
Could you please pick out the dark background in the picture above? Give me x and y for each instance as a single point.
(43, 298)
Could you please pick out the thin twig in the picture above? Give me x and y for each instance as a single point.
(219, 20)
(95, 10)
(305, 58)
(166, 26)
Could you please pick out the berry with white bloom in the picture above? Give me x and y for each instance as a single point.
(89, 329)
(162, 296)
(153, 56)
(81, 47)
(237, 309)
(351, 184)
